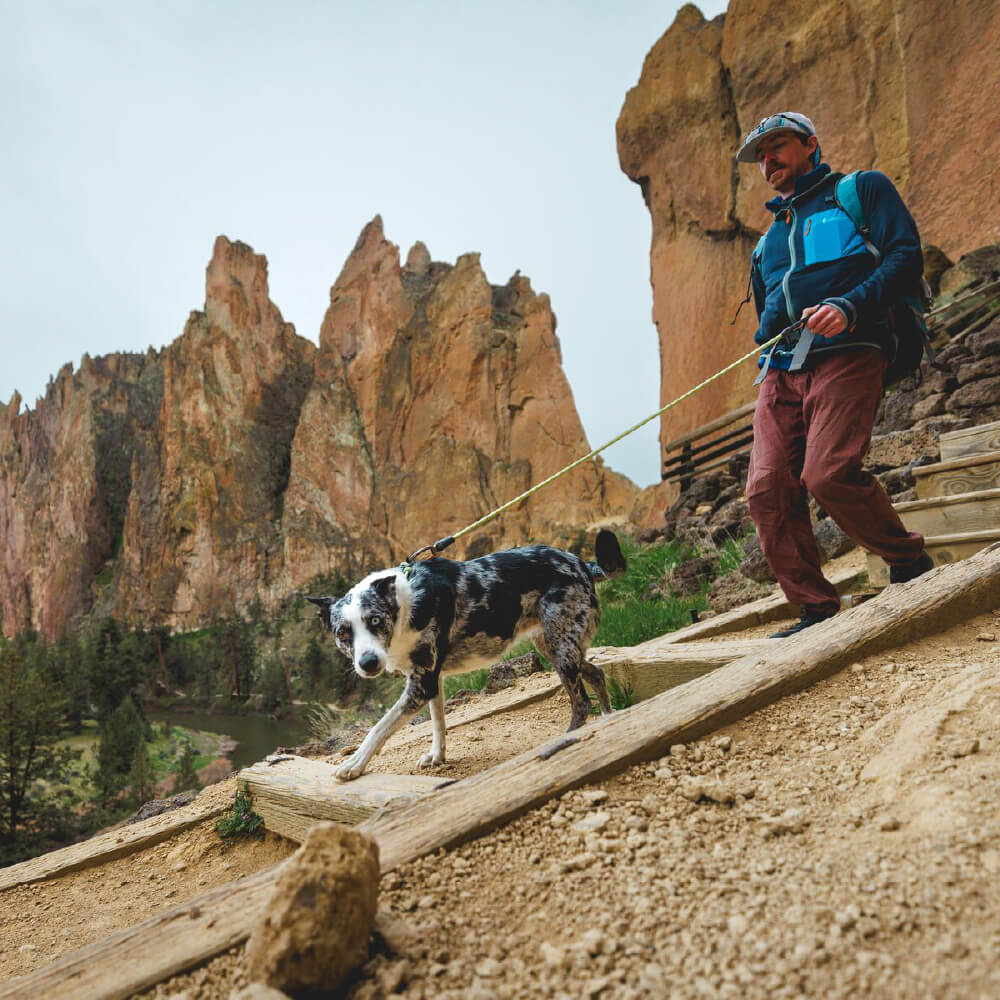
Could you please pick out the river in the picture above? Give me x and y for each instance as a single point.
(256, 735)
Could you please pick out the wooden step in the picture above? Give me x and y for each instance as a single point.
(658, 665)
(970, 441)
(292, 793)
(952, 515)
(942, 549)
(960, 475)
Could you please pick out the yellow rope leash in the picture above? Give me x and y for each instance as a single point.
(443, 543)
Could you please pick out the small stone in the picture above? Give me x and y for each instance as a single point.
(592, 823)
(987, 637)
(691, 789)
(963, 748)
(888, 823)
(553, 957)
(595, 796)
(738, 925)
(180, 866)
(489, 968)
(678, 750)
(651, 804)
(592, 942)
(577, 862)
(724, 743)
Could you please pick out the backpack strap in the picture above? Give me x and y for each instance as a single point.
(845, 194)
(754, 263)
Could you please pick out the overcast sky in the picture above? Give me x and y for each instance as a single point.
(133, 133)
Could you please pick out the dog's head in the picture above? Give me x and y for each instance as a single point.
(362, 621)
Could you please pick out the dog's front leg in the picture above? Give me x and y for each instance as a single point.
(410, 702)
(436, 756)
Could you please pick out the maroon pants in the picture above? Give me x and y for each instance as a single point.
(811, 432)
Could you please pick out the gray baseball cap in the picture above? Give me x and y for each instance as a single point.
(784, 121)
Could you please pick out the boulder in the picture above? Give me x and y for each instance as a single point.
(318, 920)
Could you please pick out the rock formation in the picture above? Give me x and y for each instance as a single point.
(437, 397)
(905, 88)
(241, 462)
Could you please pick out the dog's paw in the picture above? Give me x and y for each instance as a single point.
(431, 760)
(349, 770)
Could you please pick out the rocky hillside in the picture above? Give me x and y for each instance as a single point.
(908, 89)
(241, 462)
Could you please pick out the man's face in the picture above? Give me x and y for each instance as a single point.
(783, 157)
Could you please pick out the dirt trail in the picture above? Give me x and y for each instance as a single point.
(843, 842)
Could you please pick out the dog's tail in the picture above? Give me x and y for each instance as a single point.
(610, 558)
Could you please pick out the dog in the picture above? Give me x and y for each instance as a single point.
(435, 617)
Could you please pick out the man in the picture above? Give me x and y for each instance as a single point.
(820, 393)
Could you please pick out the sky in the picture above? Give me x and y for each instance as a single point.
(133, 133)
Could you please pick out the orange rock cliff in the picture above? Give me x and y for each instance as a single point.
(906, 88)
(241, 462)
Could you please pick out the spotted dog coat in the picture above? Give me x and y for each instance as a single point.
(442, 617)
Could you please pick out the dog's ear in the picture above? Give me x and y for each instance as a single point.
(385, 587)
(323, 602)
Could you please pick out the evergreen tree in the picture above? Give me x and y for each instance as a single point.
(31, 713)
(185, 776)
(141, 778)
(120, 736)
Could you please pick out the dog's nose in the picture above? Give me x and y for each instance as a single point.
(368, 664)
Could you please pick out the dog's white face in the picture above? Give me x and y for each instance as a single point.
(363, 621)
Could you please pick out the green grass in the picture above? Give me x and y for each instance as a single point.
(632, 622)
(474, 680)
(632, 608)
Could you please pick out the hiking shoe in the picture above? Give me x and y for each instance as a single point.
(910, 571)
(809, 618)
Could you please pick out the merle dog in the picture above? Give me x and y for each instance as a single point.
(436, 617)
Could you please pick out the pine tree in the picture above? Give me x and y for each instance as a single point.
(31, 714)
(185, 776)
(141, 778)
(120, 736)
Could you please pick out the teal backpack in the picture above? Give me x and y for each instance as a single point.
(907, 315)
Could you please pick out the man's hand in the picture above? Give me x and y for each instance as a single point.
(825, 321)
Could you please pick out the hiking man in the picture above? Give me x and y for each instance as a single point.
(819, 394)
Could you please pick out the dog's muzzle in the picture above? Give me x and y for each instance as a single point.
(369, 664)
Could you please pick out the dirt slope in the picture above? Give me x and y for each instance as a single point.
(856, 851)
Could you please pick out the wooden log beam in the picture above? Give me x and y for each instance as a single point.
(655, 666)
(970, 441)
(960, 475)
(194, 932)
(293, 793)
(773, 608)
(108, 846)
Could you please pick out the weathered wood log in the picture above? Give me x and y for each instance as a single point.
(293, 793)
(108, 846)
(952, 515)
(761, 612)
(943, 549)
(970, 441)
(187, 935)
(657, 666)
(961, 475)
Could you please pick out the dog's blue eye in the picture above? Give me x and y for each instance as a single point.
(374, 621)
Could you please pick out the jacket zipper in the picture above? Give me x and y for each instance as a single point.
(792, 218)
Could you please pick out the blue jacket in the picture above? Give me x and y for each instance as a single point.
(812, 254)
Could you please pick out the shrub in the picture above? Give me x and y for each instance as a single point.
(241, 822)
